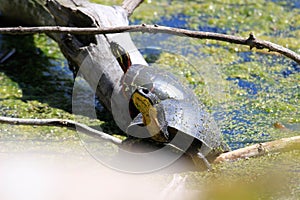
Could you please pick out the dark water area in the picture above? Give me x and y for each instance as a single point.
(250, 87)
(179, 20)
(292, 4)
(40, 77)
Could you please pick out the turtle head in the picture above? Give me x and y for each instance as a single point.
(144, 101)
(121, 55)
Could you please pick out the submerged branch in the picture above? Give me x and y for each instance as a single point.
(259, 149)
(251, 41)
(61, 123)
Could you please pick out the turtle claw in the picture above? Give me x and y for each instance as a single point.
(205, 161)
(200, 161)
(165, 132)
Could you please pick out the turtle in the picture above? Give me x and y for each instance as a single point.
(179, 123)
(163, 110)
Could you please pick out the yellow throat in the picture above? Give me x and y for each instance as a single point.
(145, 106)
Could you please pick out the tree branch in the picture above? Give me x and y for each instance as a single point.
(61, 123)
(251, 41)
(258, 149)
(131, 5)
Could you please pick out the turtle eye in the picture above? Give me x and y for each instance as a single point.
(147, 94)
(145, 90)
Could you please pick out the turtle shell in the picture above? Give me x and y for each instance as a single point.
(160, 82)
(180, 112)
(185, 123)
(193, 121)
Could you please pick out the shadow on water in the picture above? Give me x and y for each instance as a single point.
(38, 76)
(43, 78)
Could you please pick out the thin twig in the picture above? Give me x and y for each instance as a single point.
(258, 149)
(61, 123)
(251, 41)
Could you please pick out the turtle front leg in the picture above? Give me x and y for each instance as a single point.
(205, 161)
(201, 162)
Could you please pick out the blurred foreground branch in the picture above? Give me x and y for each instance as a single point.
(251, 41)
